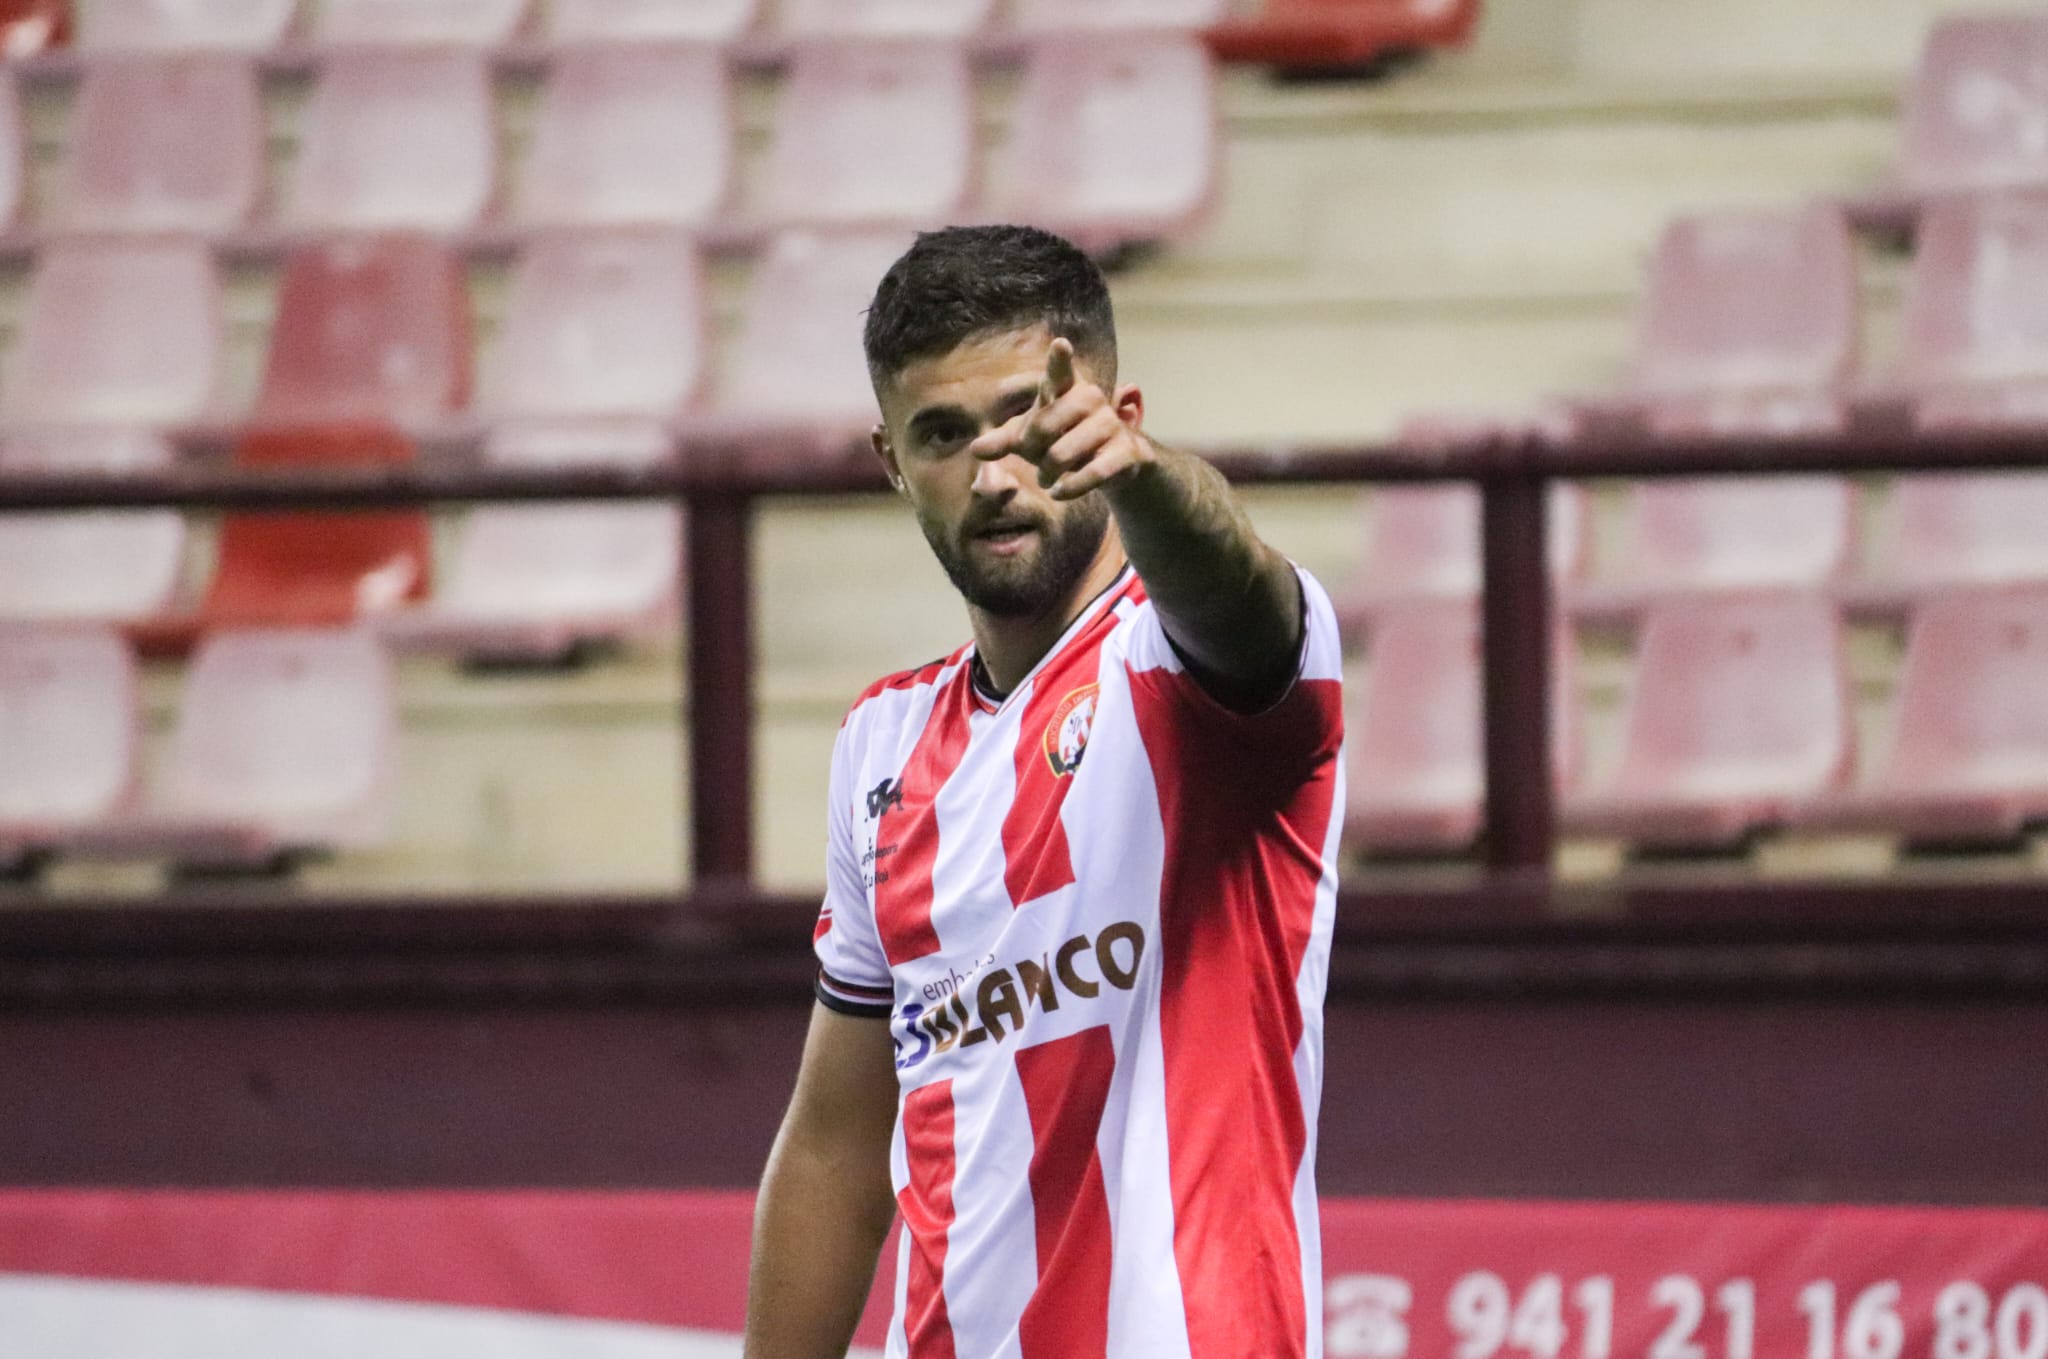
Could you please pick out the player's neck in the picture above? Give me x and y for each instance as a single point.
(1010, 647)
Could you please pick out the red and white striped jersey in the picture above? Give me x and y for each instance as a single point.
(1096, 913)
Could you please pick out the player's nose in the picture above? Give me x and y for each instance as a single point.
(999, 477)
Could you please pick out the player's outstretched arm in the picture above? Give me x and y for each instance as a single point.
(825, 1202)
(1230, 603)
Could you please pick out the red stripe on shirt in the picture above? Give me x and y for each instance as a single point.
(907, 836)
(1246, 804)
(927, 1207)
(1066, 1086)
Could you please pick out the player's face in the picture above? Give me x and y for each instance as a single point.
(1008, 547)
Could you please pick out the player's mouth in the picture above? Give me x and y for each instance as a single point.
(1005, 539)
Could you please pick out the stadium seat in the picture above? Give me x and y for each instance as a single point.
(13, 154)
(650, 20)
(639, 134)
(286, 741)
(88, 565)
(1342, 34)
(1749, 324)
(397, 139)
(164, 144)
(1113, 142)
(418, 23)
(372, 338)
(1736, 533)
(31, 26)
(1416, 745)
(1970, 760)
(1738, 717)
(1975, 350)
(796, 376)
(884, 18)
(1423, 544)
(1037, 17)
(873, 133)
(1965, 530)
(246, 26)
(70, 733)
(1976, 112)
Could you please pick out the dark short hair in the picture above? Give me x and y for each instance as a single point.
(967, 283)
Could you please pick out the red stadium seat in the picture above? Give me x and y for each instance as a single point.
(1738, 717)
(31, 26)
(397, 139)
(1738, 533)
(873, 133)
(796, 375)
(1971, 756)
(70, 733)
(1976, 115)
(1749, 324)
(173, 144)
(181, 26)
(1095, 16)
(649, 20)
(1423, 544)
(1416, 778)
(1976, 315)
(1323, 34)
(1962, 530)
(421, 23)
(372, 337)
(1113, 142)
(884, 18)
(639, 134)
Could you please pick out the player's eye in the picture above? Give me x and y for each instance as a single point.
(940, 438)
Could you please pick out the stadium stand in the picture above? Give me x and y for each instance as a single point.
(397, 139)
(120, 339)
(31, 26)
(644, 20)
(1422, 543)
(71, 730)
(418, 23)
(245, 26)
(164, 144)
(1343, 34)
(13, 167)
(1414, 741)
(1975, 331)
(1038, 17)
(1732, 533)
(884, 18)
(1959, 530)
(1738, 715)
(873, 133)
(640, 134)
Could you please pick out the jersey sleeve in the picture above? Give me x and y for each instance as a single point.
(1299, 730)
(853, 973)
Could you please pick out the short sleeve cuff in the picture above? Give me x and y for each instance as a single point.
(847, 998)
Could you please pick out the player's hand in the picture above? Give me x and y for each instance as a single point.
(1073, 434)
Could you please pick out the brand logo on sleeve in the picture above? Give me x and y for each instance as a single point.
(1066, 735)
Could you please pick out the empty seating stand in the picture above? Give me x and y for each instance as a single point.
(1037, 17)
(884, 18)
(873, 132)
(164, 144)
(285, 742)
(246, 26)
(631, 134)
(649, 20)
(1343, 34)
(1970, 757)
(1113, 142)
(119, 340)
(1423, 544)
(1738, 719)
(1961, 530)
(397, 139)
(1416, 777)
(418, 23)
(1976, 316)
(70, 735)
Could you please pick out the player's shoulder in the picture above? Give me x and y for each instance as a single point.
(890, 689)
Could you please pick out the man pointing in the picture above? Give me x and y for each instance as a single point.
(1081, 876)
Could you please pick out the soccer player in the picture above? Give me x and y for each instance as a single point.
(1082, 871)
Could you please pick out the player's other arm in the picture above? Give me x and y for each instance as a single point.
(1230, 603)
(825, 1203)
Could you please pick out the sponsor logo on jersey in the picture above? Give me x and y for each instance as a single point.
(1066, 735)
(994, 1004)
(884, 795)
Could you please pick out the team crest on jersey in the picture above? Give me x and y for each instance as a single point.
(1066, 736)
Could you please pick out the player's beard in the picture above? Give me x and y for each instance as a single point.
(1030, 584)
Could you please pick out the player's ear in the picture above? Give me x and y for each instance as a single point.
(1130, 405)
(878, 439)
